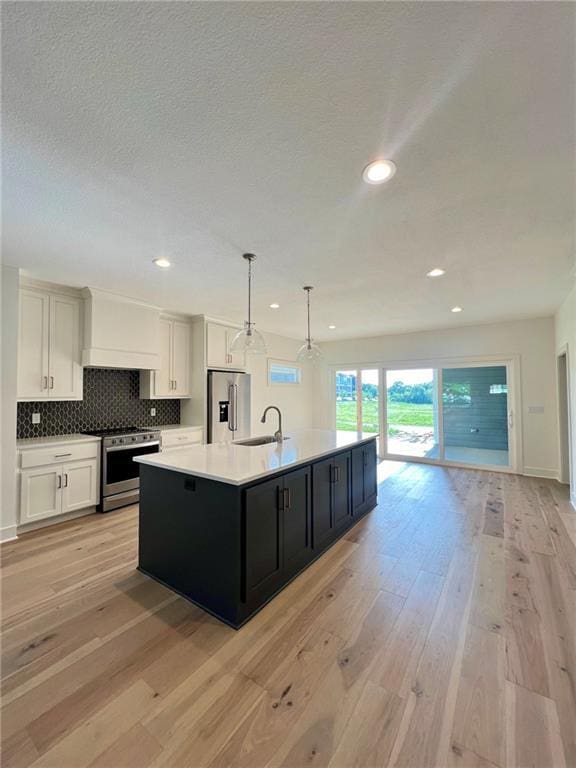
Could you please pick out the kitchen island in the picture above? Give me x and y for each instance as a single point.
(228, 526)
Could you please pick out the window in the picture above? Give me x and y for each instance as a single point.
(283, 373)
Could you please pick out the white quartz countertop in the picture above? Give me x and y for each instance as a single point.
(239, 464)
(45, 442)
(175, 427)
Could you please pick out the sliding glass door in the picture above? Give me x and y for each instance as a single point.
(476, 415)
(358, 400)
(454, 414)
(412, 412)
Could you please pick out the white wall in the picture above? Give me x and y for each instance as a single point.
(565, 326)
(531, 340)
(295, 401)
(9, 346)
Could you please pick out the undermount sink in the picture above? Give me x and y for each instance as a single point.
(264, 440)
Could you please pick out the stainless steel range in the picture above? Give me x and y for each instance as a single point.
(120, 477)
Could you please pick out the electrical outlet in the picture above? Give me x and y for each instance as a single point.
(35, 418)
(152, 411)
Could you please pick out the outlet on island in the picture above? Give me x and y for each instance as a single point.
(35, 418)
(152, 411)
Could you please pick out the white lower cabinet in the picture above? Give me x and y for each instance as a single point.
(50, 486)
(41, 493)
(176, 439)
(79, 485)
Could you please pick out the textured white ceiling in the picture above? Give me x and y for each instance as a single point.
(200, 130)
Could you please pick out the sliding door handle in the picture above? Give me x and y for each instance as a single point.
(510, 419)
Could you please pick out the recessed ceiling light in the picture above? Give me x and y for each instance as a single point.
(162, 262)
(379, 171)
(331, 327)
(456, 309)
(436, 272)
(274, 306)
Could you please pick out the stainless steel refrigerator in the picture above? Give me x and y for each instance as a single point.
(228, 406)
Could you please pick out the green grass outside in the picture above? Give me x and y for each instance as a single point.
(407, 414)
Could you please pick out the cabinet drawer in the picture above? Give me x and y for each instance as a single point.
(58, 454)
(178, 439)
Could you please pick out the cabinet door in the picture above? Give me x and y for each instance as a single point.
(33, 381)
(79, 485)
(64, 356)
(40, 493)
(342, 509)
(263, 541)
(163, 376)
(370, 473)
(235, 359)
(216, 346)
(181, 359)
(358, 497)
(323, 530)
(296, 502)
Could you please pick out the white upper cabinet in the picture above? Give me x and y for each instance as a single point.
(49, 346)
(218, 341)
(172, 379)
(181, 359)
(65, 370)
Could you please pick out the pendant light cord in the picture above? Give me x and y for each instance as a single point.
(308, 302)
(249, 294)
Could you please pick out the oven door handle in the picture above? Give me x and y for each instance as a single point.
(130, 447)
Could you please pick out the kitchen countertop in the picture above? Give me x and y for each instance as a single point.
(45, 442)
(239, 464)
(174, 427)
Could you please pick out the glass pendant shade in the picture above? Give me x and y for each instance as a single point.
(249, 340)
(308, 352)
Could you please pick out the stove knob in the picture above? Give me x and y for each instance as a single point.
(134, 439)
(114, 442)
(121, 440)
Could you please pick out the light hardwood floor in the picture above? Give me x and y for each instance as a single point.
(440, 632)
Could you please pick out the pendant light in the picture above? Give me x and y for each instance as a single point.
(308, 352)
(249, 340)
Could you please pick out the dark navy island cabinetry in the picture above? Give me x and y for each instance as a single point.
(230, 548)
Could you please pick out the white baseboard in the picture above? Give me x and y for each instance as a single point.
(50, 521)
(8, 534)
(551, 474)
(573, 502)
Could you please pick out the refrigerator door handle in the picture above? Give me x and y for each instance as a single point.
(231, 408)
(235, 407)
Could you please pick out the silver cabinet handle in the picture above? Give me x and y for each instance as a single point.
(45, 382)
(65, 479)
(61, 455)
(59, 481)
(286, 498)
(51, 382)
(175, 384)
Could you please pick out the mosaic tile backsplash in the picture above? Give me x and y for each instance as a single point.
(111, 399)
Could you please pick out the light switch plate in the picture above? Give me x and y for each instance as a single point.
(35, 418)
(152, 411)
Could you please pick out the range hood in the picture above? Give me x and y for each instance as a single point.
(120, 332)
